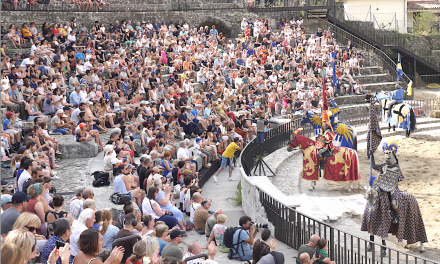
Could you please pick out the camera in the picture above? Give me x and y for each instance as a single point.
(260, 225)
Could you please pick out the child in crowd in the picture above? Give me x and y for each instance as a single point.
(322, 245)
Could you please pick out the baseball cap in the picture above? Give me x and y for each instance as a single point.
(108, 148)
(6, 198)
(198, 139)
(20, 197)
(60, 111)
(9, 114)
(82, 125)
(175, 233)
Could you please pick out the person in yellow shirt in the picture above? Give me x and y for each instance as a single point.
(227, 156)
(27, 33)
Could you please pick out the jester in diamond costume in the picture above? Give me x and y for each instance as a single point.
(390, 210)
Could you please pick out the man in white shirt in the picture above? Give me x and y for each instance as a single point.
(197, 200)
(71, 38)
(27, 61)
(26, 174)
(354, 64)
(75, 113)
(183, 151)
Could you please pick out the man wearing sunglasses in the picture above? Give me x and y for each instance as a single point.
(37, 173)
(8, 218)
(172, 248)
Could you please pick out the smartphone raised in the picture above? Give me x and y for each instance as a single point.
(318, 253)
(59, 244)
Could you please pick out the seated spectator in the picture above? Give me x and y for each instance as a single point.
(127, 230)
(58, 125)
(163, 199)
(108, 231)
(90, 244)
(85, 221)
(31, 223)
(76, 204)
(6, 202)
(201, 214)
(310, 250)
(243, 240)
(25, 241)
(261, 248)
(211, 222)
(151, 207)
(12, 254)
(149, 223)
(196, 202)
(163, 235)
(124, 183)
(8, 218)
(145, 251)
(172, 248)
(195, 249)
(62, 231)
(218, 232)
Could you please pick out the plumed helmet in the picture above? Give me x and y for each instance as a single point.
(390, 144)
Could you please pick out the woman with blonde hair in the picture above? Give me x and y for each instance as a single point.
(162, 236)
(218, 232)
(108, 231)
(25, 241)
(11, 254)
(142, 253)
(32, 223)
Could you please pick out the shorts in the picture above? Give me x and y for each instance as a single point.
(226, 162)
(13, 131)
(131, 195)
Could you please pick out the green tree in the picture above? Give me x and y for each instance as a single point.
(424, 21)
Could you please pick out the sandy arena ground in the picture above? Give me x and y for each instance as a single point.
(419, 160)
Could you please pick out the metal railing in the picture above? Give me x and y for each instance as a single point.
(431, 81)
(294, 228)
(389, 37)
(375, 55)
(422, 108)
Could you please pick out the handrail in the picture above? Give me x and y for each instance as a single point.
(363, 45)
(301, 226)
(398, 39)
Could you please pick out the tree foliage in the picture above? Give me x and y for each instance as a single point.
(424, 21)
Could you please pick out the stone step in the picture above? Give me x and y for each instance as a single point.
(385, 86)
(370, 70)
(372, 78)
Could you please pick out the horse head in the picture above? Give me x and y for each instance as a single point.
(293, 143)
(306, 118)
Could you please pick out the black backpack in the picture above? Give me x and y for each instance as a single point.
(228, 239)
(101, 179)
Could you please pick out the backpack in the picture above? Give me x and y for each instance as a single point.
(228, 238)
(101, 179)
(57, 215)
(278, 257)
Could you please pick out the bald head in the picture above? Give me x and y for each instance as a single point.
(314, 239)
(219, 212)
(304, 258)
(194, 248)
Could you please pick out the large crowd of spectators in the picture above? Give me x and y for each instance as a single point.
(167, 85)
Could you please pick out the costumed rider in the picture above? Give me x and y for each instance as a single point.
(386, 186)
(397, 98)
(324, 141)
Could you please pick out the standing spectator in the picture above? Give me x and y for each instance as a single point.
(227, 156)
(310, 249)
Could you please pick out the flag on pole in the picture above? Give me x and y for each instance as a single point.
(399, 68)
(324, 95)
(335, 80)
(374, 131)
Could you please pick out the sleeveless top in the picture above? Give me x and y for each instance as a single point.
(147, 208)
(90, 261)
(119, 185)
(31, 205)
